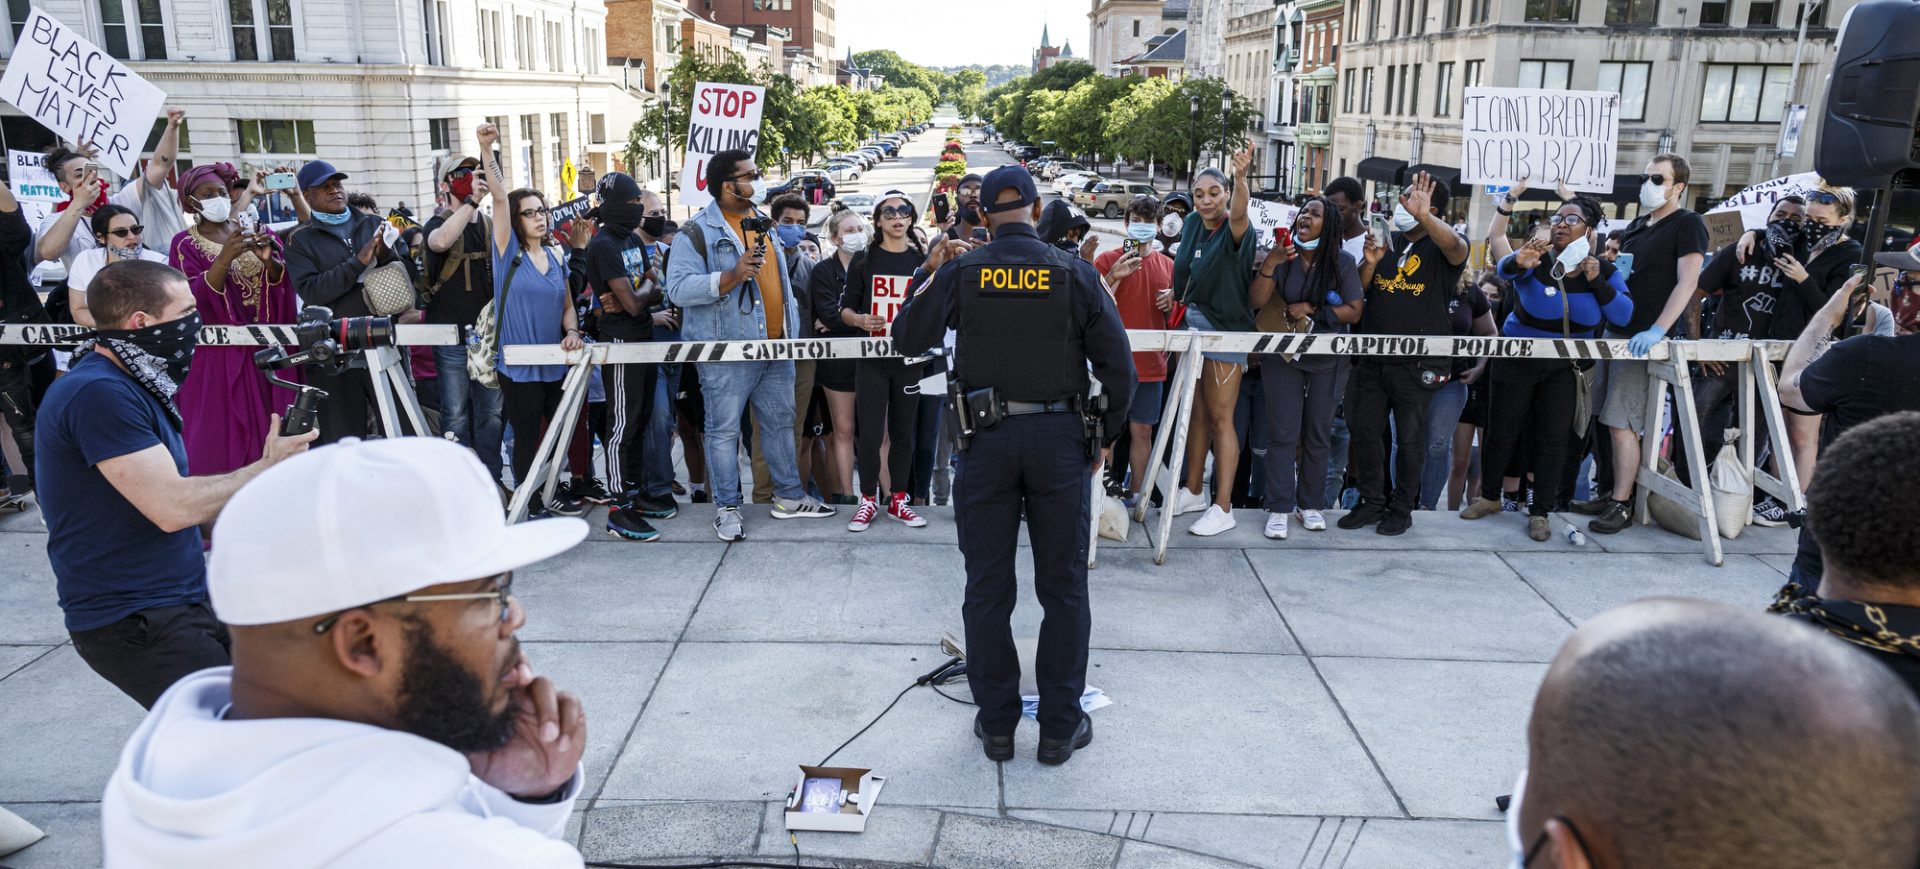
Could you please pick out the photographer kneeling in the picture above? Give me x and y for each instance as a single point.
(379, 710)
(122, 515)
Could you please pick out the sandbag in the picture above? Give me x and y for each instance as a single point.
(1670, 515)
(1114, 521)
(1731, 487)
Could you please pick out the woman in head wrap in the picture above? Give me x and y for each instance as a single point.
(238, 273)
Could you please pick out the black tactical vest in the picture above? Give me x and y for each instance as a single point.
(1016, 331)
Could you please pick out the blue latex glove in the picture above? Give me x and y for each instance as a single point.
(1333, 297)
(1643, 342)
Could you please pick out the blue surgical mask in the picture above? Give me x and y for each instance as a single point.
(1403, 220)
(1140, 231)
(791, 234)
(1306, 243)
(333, 219)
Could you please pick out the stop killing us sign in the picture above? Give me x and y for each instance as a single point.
(80, 92)
(724, 116)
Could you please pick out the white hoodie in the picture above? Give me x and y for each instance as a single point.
(194, 790)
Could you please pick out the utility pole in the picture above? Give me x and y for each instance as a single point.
(1793, 81)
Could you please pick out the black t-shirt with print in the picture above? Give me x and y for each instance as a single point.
(1657, 248)
(1411, 290)
(1748, 293)
(615, 254)
(878, 263)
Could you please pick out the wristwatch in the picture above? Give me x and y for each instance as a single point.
(470, 203)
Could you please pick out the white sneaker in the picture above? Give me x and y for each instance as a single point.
(1214, 521)
(1185, 502)
(1311, 520)
(1276, 526)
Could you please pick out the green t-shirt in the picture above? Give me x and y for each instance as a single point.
(1212, 272)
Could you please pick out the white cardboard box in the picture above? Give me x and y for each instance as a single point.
(863, 794)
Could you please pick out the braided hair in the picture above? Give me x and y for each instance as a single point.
(1324, 275)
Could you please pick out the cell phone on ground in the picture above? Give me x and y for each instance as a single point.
(279, 181)
(1282, 236)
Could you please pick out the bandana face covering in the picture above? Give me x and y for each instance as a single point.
(157, 356)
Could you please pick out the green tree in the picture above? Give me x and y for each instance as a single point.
(1156, 121)
(1078, 123)
(901, 72)
(826, 121)
(1060, 76)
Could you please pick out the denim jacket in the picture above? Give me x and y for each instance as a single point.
(693, 283)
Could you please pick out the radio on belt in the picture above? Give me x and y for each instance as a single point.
(833, 799)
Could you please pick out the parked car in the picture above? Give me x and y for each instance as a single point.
(874, 155)
(866, 159)
(1109, 198)
(813, 185)
(1073, 182)
(842, 171)
(859, 203)
(1058, 168)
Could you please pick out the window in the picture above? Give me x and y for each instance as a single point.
(18, 11)
(1629, 80)
(590, 51)
(1136, 27)
(1413, 92)
(441, 134)
(1398, 6)
(1443, 91)
(1470, 77)
(1632, 11)
(1553, 11)
(1817, 19)
(523, 43)
(1482, 11)
(277, 138)
(1713, 13)
(153, 31)
(556, 47)
(492, 52)
(258, 22)
(1761, 14)
(113, 25)
(1545, 74)
(1366, 91)
(1373, 18)
(119, 29)
(1346, 97)
(527, 124)
(1450, 18)
(1744, 93)
(597, 128)
(433, 13)
(1393, 78)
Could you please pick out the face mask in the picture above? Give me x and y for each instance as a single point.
(131, 251)
(759, 194)
(1516, 847)
(333, 219)
(854, 242)
(1306, 243)
(654, 226)
(1140, 231)
(461, 188)
(1172, 224)
(171, 342)
(1403, 220)
(791, 234)
(1571, 256)
(624, 215)
(215, 210)
(1652, 195)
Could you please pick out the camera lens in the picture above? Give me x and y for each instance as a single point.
(365, 333)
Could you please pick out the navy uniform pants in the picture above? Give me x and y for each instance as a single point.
(1037, 463)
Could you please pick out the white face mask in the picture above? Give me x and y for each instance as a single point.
(759, 194)
(1172, 224)
(1652, 195)
(216, 210)
(1403, 220)
(1570, 258)
(854, 242)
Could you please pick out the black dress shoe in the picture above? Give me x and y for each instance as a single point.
(999, 749)
(1054, 752)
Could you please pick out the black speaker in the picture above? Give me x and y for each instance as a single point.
(1873, 97)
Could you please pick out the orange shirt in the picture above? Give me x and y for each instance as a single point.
(771, 294)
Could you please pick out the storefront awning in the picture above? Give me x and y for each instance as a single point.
(1384, 170)
(1441, 175)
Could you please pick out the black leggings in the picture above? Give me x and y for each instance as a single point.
(528, 406)
(1529, 396)
(880, 394)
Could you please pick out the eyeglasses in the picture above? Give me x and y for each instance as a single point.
(1566, 219)
(531, 213)
(502, 592)
(1823, 197)
(750, 176)
(899, 211)
(126, 231)
(1660, 180)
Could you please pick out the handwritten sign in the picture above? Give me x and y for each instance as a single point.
(1755, 203)
(1266, 216)
(80, 92)
(889, 293)
(1541, 136)
(1723, 228)
(568, 211)
(33, 185)
(725, 116)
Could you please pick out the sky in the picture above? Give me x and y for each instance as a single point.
(955, 33)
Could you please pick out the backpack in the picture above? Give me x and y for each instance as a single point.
(456, 259)
(484, 344)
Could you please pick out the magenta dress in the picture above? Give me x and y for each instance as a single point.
(225, 403)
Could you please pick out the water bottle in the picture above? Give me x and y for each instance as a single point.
(1575, 537)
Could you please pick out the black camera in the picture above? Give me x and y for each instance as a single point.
(757, 223)
(323, 343)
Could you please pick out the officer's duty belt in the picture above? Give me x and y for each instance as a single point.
(1021, 408)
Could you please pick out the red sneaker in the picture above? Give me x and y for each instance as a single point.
(863, 517)
(899, 509)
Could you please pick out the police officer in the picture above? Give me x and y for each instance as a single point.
(1029, 320)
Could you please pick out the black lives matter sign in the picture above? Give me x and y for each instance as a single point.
(1543, 137)
(80, 92)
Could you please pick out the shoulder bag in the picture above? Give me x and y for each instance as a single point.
(484, 345)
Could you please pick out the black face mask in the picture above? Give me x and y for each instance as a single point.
(172, 343)
(654, 225)
(625, 215)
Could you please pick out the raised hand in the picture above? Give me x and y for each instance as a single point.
(1242, 161)
(486, 135)
(1417, 199)
(1530, 254)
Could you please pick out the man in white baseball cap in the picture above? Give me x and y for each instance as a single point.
(379, 711)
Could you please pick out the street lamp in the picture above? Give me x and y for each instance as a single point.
(1419, 144)
(666, 144)
(1666, 142)
(1193, 139)
(1226, 108)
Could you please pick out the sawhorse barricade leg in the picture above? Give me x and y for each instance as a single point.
(393, 392)
(1177, 447)
(1183, 377)
(1697, 500)
(1757, 384)
(545, 472)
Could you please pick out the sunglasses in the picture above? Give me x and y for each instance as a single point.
(750, 176)
(502, 592)
(1565, 219)
(1659, 180)
(893, 212)
(1823, 197)
(531, 213)
(126, 231)
(461, 172)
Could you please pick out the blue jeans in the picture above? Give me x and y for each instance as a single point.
(468, 411)
(729, 388)
(1442, 415)
(656, 457)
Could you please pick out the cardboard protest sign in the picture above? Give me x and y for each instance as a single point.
(1754, 203)
(1541, 136)
(33, 185)
(889, 293)
(1265, 216)
(568, 211)
(80, 92)
(724, 116)
(1723, 228)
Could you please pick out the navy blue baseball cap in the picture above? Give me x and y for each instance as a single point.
(618, 187)
(1008, 177)
(318, 172)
